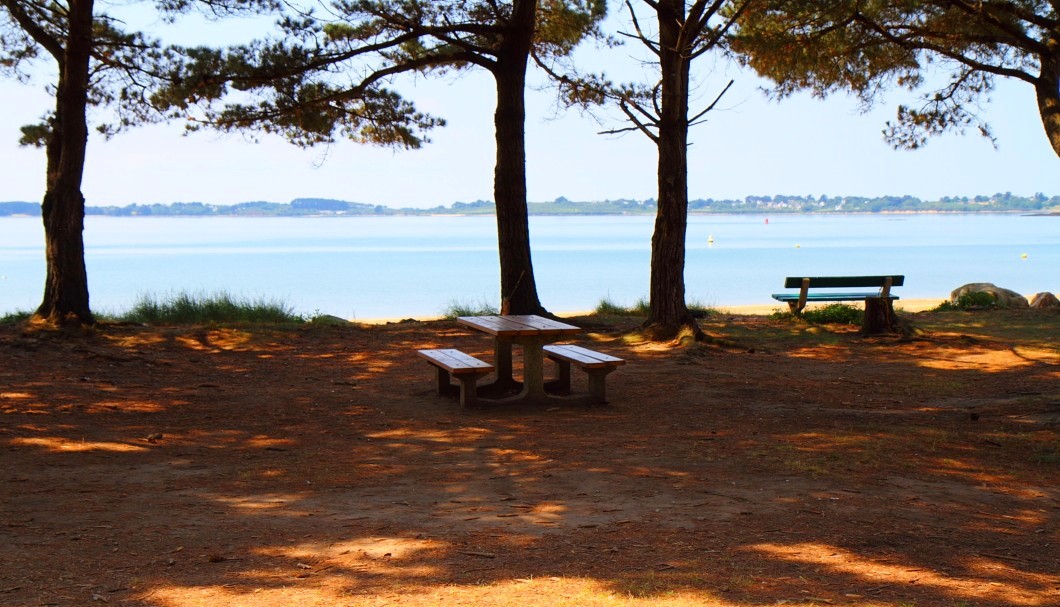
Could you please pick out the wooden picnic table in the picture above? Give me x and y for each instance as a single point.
(530, 332)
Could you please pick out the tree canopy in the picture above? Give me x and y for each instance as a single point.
(866, 47)
(97, 64)
(327, 76)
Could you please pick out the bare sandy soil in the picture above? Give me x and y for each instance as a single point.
(315, 466)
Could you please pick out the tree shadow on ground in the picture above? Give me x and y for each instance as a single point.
(316, 467)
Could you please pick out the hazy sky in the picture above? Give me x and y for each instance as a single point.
(750, 146)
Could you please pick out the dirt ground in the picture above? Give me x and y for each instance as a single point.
(315, 466)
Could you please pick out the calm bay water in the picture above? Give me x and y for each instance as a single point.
(416, 266)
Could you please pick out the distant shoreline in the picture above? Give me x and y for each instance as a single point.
(1038, 204)
(1051, 213)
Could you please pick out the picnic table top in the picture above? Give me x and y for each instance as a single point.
(516, 325)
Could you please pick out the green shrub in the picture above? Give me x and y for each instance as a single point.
(218, 308)
(977, 300)
(835, 314)
(460, 308)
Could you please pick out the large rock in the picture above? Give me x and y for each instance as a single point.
(1005, 298)
(1045, 299)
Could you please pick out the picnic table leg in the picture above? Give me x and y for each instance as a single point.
(533, 369)
(502, 362)
(502, 359)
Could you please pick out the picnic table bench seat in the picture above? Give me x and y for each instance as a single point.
(465, 368)
(797, 301)
(596, 364)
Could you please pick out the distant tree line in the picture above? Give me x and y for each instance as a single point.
(1006, 202)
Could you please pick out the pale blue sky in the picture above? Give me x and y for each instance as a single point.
(751, 146)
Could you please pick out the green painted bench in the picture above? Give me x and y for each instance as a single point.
(465, 368)
(797, 301)
(596, 364)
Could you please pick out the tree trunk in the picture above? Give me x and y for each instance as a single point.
(1048, 92)
(668, 314)
(518, 286)
(63, 209)
(880, 317)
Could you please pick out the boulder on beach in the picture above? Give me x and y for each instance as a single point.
(1045, 299)
(328, 319)
(1005, 298)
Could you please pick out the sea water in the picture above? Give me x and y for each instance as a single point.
(370, 267)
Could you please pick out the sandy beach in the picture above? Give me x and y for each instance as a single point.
(906, 305)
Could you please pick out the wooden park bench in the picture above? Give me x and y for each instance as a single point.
(879, 311)
(596, 364)
(466, 368)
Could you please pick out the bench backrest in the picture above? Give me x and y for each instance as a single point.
(836, 282)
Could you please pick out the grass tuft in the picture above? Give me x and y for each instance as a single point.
(607, 307)
(641, 307)
(16, 317)
(216, 308)
(462, 308)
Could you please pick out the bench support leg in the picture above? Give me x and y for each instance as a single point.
(444, 387)
(597, 384)
(468, 391)
(466, 388)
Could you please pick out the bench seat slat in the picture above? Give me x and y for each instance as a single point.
(583, 357)
(455, 361)
(834, 282)
(830, 296)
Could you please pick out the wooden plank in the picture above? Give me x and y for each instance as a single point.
(583, 357)
(833, 282)
(542, 324)
(832, 296)
(514, 325)
(455, 361)
(496, 325)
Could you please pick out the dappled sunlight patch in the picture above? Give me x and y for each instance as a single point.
(973, 472)
(194, 344)
(991, 361)
(875, 571)
(263, 503)
(15, 395)
(139, 339)
(124, 406)
(821, 353)
(1013, 521)
(364, 548)
(58, 444)
(420, 587)
(268, 442)
(1038, 355)
(460, 436)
